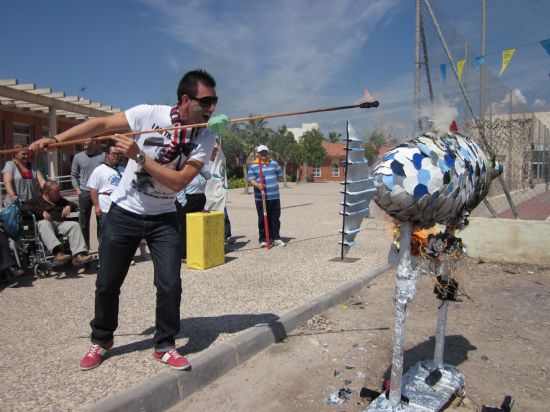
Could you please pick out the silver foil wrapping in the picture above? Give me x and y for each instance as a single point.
(430, 179)
(421, 396)
(358, 190)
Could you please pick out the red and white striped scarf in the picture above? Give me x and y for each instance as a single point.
(182, 136)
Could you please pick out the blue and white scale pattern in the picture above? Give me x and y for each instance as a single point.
(358, 190)
(430, 179)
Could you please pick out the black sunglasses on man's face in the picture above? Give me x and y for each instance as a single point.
(207, 101)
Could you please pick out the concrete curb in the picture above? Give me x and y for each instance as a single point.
(166, 389)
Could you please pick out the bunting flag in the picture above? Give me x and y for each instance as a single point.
(506, 57)
(443, 71)
(479, 61)
(460, 68)
(546, 45)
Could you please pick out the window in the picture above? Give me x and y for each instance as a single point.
(21, 134)
(540, 165)
(335, 167)
(316, 169)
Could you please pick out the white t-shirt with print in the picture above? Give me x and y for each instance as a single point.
(104, 179)
(138, 192)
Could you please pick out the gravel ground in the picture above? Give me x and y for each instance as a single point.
(45, 327)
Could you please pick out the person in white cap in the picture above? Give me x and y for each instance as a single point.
(271, 172)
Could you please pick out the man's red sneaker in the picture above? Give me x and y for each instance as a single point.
(173, 359)
(95, 355)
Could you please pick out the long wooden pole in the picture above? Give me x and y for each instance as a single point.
(266, 225)
(365, 105)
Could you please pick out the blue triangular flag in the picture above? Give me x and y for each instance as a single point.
(479, 62)
(546, 45)
(443, 71)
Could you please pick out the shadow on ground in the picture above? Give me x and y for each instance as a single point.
(201, 332)
(456, 352)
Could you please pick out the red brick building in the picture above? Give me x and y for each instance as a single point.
(332, 168)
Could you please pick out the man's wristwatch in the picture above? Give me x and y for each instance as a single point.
(140, 158)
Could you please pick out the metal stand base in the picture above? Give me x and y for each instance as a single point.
(421, 396)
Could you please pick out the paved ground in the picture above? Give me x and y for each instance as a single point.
(45, 328)
(531, 204)
(537, 208)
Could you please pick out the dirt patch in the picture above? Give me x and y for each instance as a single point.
(498, 339)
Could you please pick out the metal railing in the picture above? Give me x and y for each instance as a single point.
(64, 182)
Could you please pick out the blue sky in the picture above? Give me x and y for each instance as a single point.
(268, 56)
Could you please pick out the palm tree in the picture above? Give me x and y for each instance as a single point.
(254, 132)
(334, 137)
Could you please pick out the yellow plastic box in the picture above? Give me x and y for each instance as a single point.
(205, 239)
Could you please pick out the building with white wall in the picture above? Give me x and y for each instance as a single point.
(299, 131)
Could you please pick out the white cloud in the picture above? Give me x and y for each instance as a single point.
(272, 56)
(513, 101)
(540, 104)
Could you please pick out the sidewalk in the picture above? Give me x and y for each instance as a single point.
(45, 321)
(537, 208)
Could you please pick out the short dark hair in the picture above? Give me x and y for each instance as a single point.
(189, 82)
(108, 147)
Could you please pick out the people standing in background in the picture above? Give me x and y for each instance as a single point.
(190, 200)
(23, 180)
(103, 180)
(82, 167)
(216, 188)
(270, 186)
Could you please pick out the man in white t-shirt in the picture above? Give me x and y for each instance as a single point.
(143, 205)
(102, 182)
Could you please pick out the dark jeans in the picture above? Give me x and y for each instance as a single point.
(85, 206)
(226, 224)
(121, 233)
(100, 222)
(6, 258)
(273, 208)
(195, 203)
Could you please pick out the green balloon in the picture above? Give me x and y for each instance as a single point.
(217, 124)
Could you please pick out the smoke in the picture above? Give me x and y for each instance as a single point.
(440, 116)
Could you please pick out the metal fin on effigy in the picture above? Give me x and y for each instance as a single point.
(358, 190)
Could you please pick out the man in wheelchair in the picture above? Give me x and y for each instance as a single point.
(52, 211)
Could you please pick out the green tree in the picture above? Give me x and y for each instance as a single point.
(283, 148)
(334, 137)
(312, 148)
(374, 143)
(254, 133)
(235, 147)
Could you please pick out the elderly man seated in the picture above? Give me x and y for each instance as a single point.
(51, 212)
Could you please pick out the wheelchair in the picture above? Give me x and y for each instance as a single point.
(30, 251)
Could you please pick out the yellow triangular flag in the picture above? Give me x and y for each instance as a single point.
(460, 68)
(506, 57)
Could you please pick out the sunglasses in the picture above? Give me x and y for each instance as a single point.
(206, 102)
